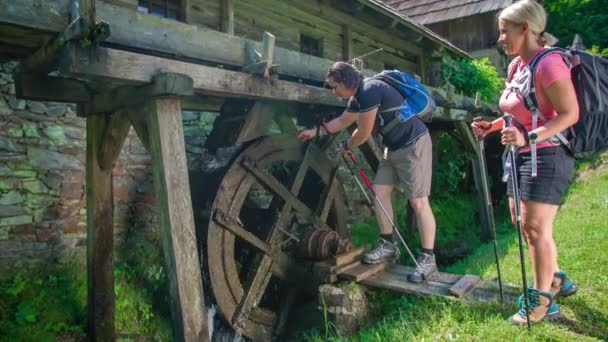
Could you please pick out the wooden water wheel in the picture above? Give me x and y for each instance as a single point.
(274, 190)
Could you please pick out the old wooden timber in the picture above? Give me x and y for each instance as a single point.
(393, 277)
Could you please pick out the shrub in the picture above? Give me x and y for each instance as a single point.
(471, 76)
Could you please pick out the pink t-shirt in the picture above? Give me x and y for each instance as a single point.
(550, 69)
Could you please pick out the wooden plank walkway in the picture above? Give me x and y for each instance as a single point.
(468, 287)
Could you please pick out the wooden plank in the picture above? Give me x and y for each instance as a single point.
(400, 283)
(39, 87)
(448, 279)
(464, 285)
(394, 278)
(227, 16)
(100, 235)
(127, 66)
(362, 271)
(346, 258)
(164, 122)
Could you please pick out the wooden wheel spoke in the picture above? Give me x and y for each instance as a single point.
(272, 184)
(327, 197)
(254, 293)
(233, 226)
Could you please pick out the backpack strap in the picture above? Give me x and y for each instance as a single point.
(531, 102)
(512, 67)
(395, 83)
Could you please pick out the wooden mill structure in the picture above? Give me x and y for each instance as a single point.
(139, 63)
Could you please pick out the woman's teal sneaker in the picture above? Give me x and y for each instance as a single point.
(562, 286)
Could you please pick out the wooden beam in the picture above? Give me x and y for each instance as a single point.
(347, 42)
(227, 16)
(39, 87)
(40, 15)
(138, 121)
(45, 57)
(115, 131)
(126, 66)
(257, 122)
(100, 231)
(145, 32)
(164, 83)
(164, 122)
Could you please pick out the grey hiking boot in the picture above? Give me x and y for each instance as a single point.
(427, 266)
(385, 251)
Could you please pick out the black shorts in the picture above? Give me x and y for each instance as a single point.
(555, 168)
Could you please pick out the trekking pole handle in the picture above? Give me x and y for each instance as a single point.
(351, 155)
(508, 120)
(484, 127)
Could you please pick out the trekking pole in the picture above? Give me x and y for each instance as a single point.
(486, 190)
(509, 123)
(352, 172)
(373, 193)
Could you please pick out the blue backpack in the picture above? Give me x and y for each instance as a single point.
(417, 101)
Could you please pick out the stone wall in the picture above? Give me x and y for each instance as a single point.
(42, 178)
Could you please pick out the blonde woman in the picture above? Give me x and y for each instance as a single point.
(522, 33)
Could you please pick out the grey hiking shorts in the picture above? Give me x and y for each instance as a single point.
(410, 166)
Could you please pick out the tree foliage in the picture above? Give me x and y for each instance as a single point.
(472, 76)
(588, 18)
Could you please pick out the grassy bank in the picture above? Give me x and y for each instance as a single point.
(582, 238)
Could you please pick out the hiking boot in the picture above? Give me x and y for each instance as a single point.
(562, 286)
(542, 307)
(385, 251)
(426, 267)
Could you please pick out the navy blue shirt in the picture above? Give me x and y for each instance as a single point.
(374, 93)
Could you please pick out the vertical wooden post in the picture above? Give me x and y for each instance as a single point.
(164, 122)
(227, 16)
(422, 66)
(86, 10)
(347, 42)
(485, 211)
(105, 136)
(187, 11)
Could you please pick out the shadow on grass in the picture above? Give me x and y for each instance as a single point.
(589, 321)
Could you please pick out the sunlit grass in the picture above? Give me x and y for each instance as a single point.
(581, 234)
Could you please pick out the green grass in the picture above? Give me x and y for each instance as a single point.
(582, 238)
(49, 304)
